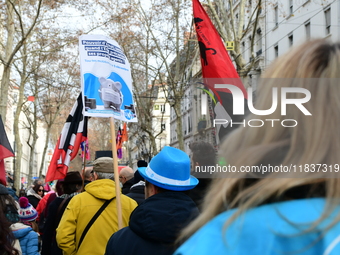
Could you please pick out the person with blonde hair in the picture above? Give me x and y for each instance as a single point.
(293, 212)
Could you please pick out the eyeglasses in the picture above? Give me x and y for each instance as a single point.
(40, 190)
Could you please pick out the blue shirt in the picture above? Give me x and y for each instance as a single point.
(273, 229)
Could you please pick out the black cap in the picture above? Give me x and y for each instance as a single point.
(142, 163)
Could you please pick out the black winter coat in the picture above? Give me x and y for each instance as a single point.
(34, 201)
(127, 185)
(49, 243)
(137, 192)
(154, 225)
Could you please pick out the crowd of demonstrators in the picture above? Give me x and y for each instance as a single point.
(71, 235)
(72, 185)
(126, 179)
(240, 215)
(203, 155)
(155, 224)
(35, 193)
(137, 189)
(280, 215)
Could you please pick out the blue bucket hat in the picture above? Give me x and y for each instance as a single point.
(170, 169)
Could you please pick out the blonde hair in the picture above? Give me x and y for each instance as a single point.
(309, 142)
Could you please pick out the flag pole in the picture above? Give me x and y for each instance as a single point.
(116, 174)
(84, 163)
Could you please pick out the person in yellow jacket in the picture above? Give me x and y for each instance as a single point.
(84, 206)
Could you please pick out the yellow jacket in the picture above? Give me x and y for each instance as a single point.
(80, 211)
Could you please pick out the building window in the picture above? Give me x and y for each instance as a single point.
(156, 107)
(290, 7)
(162, 108)
(276, 16)
(258, 42)
(276, 51)
(307, 29)
(249, 48)
(290, 40)
(328, 20)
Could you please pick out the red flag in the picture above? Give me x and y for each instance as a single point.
(74, 132)
(217, 68)
(31, 98)
(5, 152)
(125, 137)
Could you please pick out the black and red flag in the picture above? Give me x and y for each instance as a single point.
(217, 68)
(73, 134)
(5, 152)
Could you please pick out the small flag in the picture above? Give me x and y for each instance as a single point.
(5, 152)
(31, 98)
(85, 151)
(125, 137)
(73, 134)
(119, 143)
(217, 68)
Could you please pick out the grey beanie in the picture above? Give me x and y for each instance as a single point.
(3, 190)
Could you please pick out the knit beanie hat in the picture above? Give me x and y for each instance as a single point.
(26, 211)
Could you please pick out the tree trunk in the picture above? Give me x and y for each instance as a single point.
(18, 141)
(179, 128)
(45, 150)
(5, 77)
(34, 142)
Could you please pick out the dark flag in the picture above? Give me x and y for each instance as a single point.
(217, 68)
(5, 152)
(73, 134)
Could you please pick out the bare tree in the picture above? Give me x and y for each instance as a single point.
(236, 27)
(14, 23)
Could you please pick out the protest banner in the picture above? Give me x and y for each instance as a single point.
(106, 79)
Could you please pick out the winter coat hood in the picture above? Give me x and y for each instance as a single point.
(20, 230)
(138, 187)
(31, 192)
(162, 216)
(102, 189)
